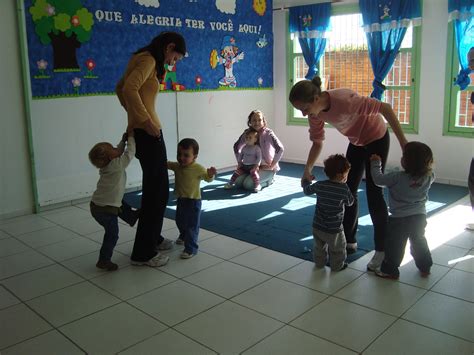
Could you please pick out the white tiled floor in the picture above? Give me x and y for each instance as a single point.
(232, 298)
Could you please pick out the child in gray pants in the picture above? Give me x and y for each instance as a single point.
(332, 197)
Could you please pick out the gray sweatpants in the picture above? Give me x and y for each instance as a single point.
(335, 244)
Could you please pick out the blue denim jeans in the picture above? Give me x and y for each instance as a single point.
(188, 220)
(110, 223)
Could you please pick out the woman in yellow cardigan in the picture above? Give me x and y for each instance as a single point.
(137, 92)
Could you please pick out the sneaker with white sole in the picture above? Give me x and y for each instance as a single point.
(179, 241)
(157, 261)
(186, 255)
(166, 244)
(384, 275)
(376, 261)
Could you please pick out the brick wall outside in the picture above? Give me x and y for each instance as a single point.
(352, 69)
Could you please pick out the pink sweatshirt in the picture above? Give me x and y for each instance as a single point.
(272, 148)
(356, 117)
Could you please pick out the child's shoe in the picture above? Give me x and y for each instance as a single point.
(186, 255)
(228, 186)
(106, 265)
(257, 188)
(179, 241)
(343, 267)
(376, 261)
(166, 244)
(351, 248)
(384, 275)
(157, 261)
(425, 273)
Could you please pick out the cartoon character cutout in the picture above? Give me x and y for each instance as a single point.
(386, 11)
(229, 55)
(170, 76)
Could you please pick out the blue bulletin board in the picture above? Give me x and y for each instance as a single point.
(81, 47)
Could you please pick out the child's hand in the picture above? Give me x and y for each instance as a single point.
(305, 182)
(211, 171)
(375, 157)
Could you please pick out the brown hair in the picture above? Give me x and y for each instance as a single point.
(255, 112)
(187, 143)
(158, 46)
(417, 159)
(305, 90)
(336, 164)
(98, 154)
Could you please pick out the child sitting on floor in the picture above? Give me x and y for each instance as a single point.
(188, 175)
(332, 197)
(248, 160)
(408, 193)
(107, 204)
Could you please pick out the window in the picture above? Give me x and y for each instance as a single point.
(458, 109)
(346, 63)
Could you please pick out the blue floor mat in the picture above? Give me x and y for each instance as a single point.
(279, 217)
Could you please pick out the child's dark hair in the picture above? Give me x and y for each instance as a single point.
(336, 164)
(417, 159)
(187, 143)
(251, 130)
(98, 154)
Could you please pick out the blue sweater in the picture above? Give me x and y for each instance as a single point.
(407, 195)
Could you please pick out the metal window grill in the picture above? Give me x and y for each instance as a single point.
(346, 63)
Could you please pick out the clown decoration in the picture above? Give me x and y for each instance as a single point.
(228, 56)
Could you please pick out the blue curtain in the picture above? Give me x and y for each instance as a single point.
(385, 24)
(462, 11)
(309, 24)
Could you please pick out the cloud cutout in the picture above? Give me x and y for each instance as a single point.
(226, 6)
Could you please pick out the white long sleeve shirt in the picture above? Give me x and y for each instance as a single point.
(112, 180)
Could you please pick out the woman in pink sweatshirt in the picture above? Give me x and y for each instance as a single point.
(361, 120)
(272, 151)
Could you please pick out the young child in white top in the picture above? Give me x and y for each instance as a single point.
(248, 160)
(107, 204)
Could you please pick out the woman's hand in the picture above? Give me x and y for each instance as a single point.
(151, 129)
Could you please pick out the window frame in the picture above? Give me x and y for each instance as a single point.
(451, 91)
(412, 126)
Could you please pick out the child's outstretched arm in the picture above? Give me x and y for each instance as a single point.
(381, 179)
(308, 187)
(209, 174)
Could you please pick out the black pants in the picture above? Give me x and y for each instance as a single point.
(399, 231)
(359, 157)
(151, 152)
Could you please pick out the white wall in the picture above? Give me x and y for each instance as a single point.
(452, 154)
(214, 118)
(16, 196)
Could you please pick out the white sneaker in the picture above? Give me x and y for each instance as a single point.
(185, 255)
(157, 261)
(166, 244)
(376, 261)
